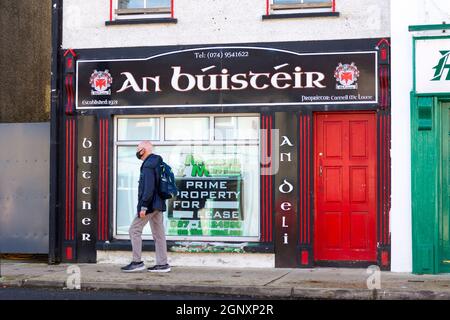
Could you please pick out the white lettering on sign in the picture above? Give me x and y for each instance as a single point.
(223, 80)
(286, 206)
(87, 205)
(85, 237)
(285, 239)
(286, 141)
(87, 154)
(131, 83)
(86, 175)
(286, 187)
(288, 156)
(87, 144)
(87, 159)
(284, 225)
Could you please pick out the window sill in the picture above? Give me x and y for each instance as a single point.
(149, 245)
(140, 21)
(300, 15)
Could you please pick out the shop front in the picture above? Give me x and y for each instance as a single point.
(277, 148)
(430, 132)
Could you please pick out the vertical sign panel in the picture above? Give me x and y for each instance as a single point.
(286, 191)
(87, 189)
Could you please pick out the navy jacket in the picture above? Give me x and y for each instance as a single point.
(148, 195)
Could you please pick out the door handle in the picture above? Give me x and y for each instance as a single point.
(320, 170)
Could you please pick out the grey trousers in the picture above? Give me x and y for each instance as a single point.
(159, 235)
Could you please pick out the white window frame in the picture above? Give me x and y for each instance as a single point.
(325, 6)
(161, 142)
(141, 13)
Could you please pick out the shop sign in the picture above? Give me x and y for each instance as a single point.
(432, 65)
(87, 190)
(286, 192)
(228, 76)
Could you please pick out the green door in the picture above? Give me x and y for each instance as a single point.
(444, 221)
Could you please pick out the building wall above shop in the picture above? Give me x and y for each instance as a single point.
(217, 21)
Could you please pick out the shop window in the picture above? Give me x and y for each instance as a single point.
(141, 8)
(299, 8)
(236, 128)
(141, 11)
(182, 129)
(138, 129)
(216, 163)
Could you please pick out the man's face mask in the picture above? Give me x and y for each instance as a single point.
(139, 155)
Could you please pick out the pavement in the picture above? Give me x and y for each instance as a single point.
(319, 283)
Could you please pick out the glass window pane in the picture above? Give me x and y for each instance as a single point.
(218, 190)
(299, 1)
(131, 4)
(186, 129)
(127, 188)
(236, 128)
(138, 129)
(158, 3)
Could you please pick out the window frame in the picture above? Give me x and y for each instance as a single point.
(162, 142)
(118, 14)
(316, 7)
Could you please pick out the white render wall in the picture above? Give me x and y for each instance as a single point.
(415, 13)
(221, 21)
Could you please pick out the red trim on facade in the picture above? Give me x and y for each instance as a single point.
(73, 178)
(266, 177)
(384, 258)
(267, 7)
(106, 227)
(110, 10)
(302, 186)
(304, 179)
(263, 184)
(172, 9)
(384, 40)
(266, 232)
(334, 6)
(69, 253)
(103, 180)
(388, 209)
(308, 175)
(67, 181)
(71, 52)
(305, 257)
(270, 217)
(100, 191)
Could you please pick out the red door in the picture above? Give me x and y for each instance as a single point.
(345, 176)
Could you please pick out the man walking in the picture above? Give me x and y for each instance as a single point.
(150, 208)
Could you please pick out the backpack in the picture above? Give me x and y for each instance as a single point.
(167, 188)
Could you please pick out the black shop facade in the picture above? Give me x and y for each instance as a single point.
(277, 148)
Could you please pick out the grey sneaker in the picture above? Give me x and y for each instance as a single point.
(159, 268)
(134, 267)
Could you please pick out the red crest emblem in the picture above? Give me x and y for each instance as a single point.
(347, 76)
(101, 82)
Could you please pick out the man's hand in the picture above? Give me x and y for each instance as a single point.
(142, 214)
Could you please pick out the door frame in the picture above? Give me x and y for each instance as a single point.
(339, 263)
